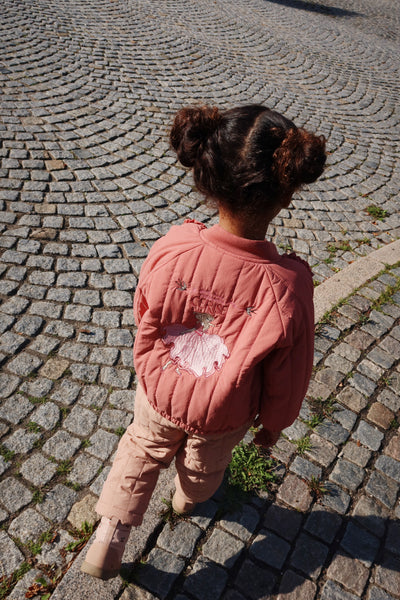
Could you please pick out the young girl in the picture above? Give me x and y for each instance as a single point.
(225, 324)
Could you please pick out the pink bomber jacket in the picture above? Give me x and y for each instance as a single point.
(225, 330)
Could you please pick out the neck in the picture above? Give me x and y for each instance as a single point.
(251, 228)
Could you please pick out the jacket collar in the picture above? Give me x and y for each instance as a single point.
(233, 244)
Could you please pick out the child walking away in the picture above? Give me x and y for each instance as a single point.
(225, 324)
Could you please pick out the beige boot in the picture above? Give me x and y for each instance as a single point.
(104, 556)
(182, 506)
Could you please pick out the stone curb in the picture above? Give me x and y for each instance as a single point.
(342, 284)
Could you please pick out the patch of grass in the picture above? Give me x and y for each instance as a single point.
(64, 467)
(86, 444)
(315, 420)
(8, 583)
(34, 547)
(251, 469)
(376, 212)
(168, 515)
(394, 424)
(303, 444)
(73, 485)
(6, 453)
(386, 296)
(36, 400)
(321, 409)
(38, 497)
(81, 537)
(34, 427)
(317, 488)
(120, 431)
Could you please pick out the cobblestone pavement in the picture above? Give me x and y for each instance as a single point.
(87, 182)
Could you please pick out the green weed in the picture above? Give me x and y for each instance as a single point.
(303, 444)
(82, 537)
(8, 583)
(376, 212)
(250, 468)
(316, 487)
(6, 453)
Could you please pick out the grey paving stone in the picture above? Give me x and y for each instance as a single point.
(347, 474)
(335, 498)
(252, 578)
(120, 337)
(309, 556)
(160, 571)
(47, 415)
(94, 396)
(85, 373)
(333, 432)
(57, 503)
(371, 515)
(11, 342)
(24, 364)
(223, 548)
(12, 558)
(362, 384)
(38, 470)
(205, 580)
(38, 387)
(283, 521)
(60, 329)
(80, 421)
(270, 549)
(15, 409)
(14, 495)
(61, 445)
(323, 524)
(241, 523)
(6, 322)
(180, 540)
(295, 587)
(375, 593)
(305, 468)
(383, 489)
(67, 393)
(332, 591)
(114, 419)
(356, 454)
(29, 525)
(84, 470)
(360, 544)
(389, 466)
(102, 444)
(113, 377)
(21, 441)
(368, 435)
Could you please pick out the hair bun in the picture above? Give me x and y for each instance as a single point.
(300, 158)
(191, 129)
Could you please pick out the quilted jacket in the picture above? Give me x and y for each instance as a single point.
(225, 330)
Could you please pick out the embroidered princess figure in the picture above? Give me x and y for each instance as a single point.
(194, 350)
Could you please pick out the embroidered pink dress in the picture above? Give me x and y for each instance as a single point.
(194, 350)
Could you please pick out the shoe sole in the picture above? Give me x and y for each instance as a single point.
(98, 572)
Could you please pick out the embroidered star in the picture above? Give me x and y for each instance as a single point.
(181, 285)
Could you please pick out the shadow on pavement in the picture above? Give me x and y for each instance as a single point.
(316, 7)
(289, 542)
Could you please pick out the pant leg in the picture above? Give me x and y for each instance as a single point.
(201, 463)
(148, 445)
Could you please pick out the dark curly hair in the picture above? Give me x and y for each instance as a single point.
(249, 158)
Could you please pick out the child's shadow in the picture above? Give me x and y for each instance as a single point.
(317, 7)
(284, 544)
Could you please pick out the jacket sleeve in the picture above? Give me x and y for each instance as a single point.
(287, 373)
